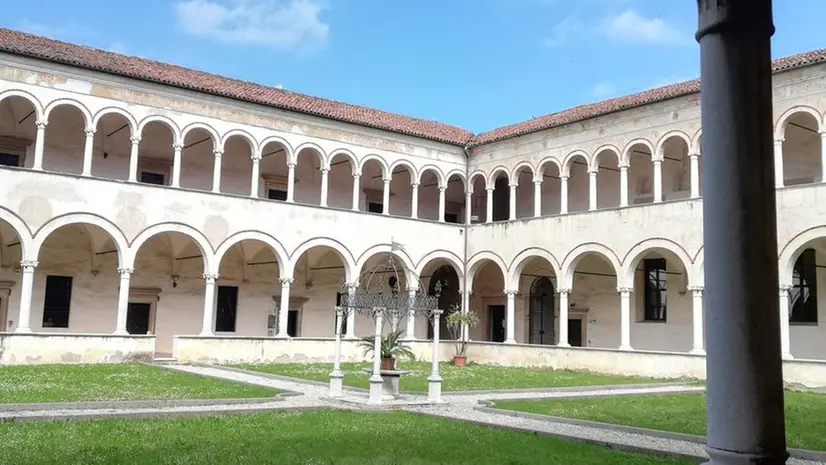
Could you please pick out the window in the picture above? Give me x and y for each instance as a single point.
(147, 177)
(656, 292)
(374, 207)
(451, 218)
(7, 159)
(56, 302)
(227, 308)
(343, 316)
(277, 194)
(804, 289)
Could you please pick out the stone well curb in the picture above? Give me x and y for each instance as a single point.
(282, 393)
(597, 442)
(135, 404)
(816, 456)
(160, 414)
(572, 389)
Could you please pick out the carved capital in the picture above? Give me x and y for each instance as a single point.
(285, 282)
(623, 167)
(324, 170)
(256, 158)
(89, 132)
(291, 165)
(28, 266)
(135, 140)
(125, 272)
(563, 291)
(490, 189)
(218, 153)
(412, 289)
(442, 188)
(177, 147)
(356, 176)
(41, 125)
(210, 278)
(537, 182)
(694, 156)
(657, 161)
(511, 292)
(696, 289)
(386, 181)
(414, 185)
(625, 290)
(779, 141)
(563, 178)
(784, 290)
(593, 171)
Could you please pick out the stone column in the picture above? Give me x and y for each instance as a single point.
(385, 198)
(410, 330)
(489, 205)
(563, 195)
(658, 181)
(744, 369)
(512, 201)
(778, 162)
(465, 308)
(88, 150)
(592, 189)
(375, 378)
(697, 319)
(324, 186)
(25, 315)
(434, 381)
(256, 175)
(563, 318)
(625, 318)
(414, 200)
(216, 170)
(468, 207)
(623, 185)
(337, 376)
(442, 190)
(785, 340)
(510, 317)
(133, 159)
(123, 300)
(39, 145)
(823, 156)
(290, 182)
(537, 198)
(695, 175)
(209, 304)
(356, 188)
(284, 308)
(351, 314)
(176, 164)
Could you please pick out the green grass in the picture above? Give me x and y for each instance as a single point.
(311, 437)
(681, 413)
(131, 381)
(470, 378)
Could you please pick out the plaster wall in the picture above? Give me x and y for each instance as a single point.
(33, 349)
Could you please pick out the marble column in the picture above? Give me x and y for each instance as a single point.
(177, 150)
(209, 304)
(778, 162)
(410, 330)
(625, 318)
(385, 198)
(563, 317)
(822, 156)
(414, 200)
(284, 308)
(512, 201)
(88, 151)
(356, 188)
(623, 185)
(563, 195)
(27, 282)
(697, 319)
(537, 198)
(39, 145)
(442, 190)
(256, 175)
(510, 317)
(351, 314)
(123, 300)
(658, 181)
(592, 189)
(695, 175)
(290, 182)
(785, 339)
(216, 170)
(324, 186)
(468, 207)
(133, 159)
(489, 205)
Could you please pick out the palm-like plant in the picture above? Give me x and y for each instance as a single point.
(391, 346)
(456, 319)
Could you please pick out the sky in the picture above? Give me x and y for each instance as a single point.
(478, 64)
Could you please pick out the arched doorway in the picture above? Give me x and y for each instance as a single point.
(541, 321)
(448, 297)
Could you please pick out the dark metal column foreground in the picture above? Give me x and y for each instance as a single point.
(745, 373)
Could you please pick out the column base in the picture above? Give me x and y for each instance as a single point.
(336, 383)
(120, 332)
(23, 330)
(697, 352)
(787, 356)
(434, 388)
(726, 457)
(510, 341)
(409, 339)
(206, 334)
(349, 337)
(626, 348)
(563, 345)
(376, 390)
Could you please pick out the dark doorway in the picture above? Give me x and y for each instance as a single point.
(137, 318)
(57, 301)
(575, 332)
(343, 316)
(227, 308)
(292, 323)
(542, 312)
(501, 198)
(449, 297)
(496, 322)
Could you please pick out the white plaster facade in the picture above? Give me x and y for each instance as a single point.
(582, 205)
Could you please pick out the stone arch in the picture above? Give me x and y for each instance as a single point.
(566, 164)
(514, 174)
(573, 257)
(783, 121)
(385, 170)
(658, 154)
(637, 252)
(699, 268)
(351, 157)
(340, 249)
(278, 140)
(445, 255)
(118, 237)
(610, 148)
(321, 155)
(495, 173)
(626, 152)
(540, 168)
(410, 273)
(695, 141)
(197, 236)
(177, 138)
(277, 248)
(242, 134)
(792, 250)
(440, 177)
(87, 115)
(409, 166)
(216, 139)
(38, 107)
(472, 179)
(20, 228)
(522, 259)
(133, 123)
(477, 260)
(461, 175)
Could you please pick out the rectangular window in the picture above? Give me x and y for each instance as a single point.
(56, 302)
(227, 308)
(7, 159)
(656, 292)
(148, 177)
(804, 289)
(451, 218)
(277, 194)
(343, 317)
(374, 207)
(292, 323)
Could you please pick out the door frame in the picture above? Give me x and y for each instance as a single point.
(580, 314)
(146, 295)
(5, 296)
(490, 325)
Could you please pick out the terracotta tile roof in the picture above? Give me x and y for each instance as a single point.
(139, 68)
(20, 43)
(592, 110)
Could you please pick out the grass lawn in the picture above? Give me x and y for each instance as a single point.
(312, 437)
(128, 381)
(682, 413)
(469, 378)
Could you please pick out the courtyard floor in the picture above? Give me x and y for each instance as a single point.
(472, 377)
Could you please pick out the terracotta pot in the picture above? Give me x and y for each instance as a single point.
(459, 360)
(388, 364)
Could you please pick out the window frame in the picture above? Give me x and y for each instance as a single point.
(655, 295)
(52, 311)
(804, 282)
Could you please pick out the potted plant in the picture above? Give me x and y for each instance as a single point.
(392, 348)
(456, 319)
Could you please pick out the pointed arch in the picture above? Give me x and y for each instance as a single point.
(522, 259)
(198, 237)
(573, 257)
(173, 127)
(54, 224)
(87, 115)
(638, 251)
(350, 269)
(274, 245)
(38, 107)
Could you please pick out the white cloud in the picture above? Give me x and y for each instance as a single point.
(603, 89)
(283, 24)
(633, 27)
(562, 31)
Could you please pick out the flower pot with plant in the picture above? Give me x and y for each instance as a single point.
(456, 319)
(392, 348)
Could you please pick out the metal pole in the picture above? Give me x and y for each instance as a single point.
(745, 379)
(336, 376)
(375, 378)
(434, 381)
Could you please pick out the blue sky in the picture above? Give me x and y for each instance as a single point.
(478, 64)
